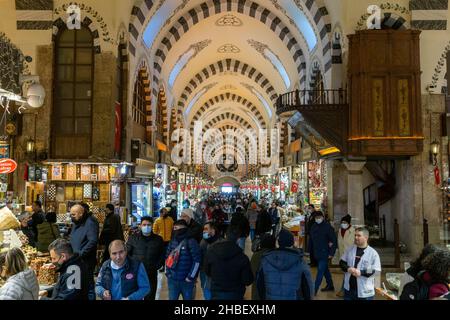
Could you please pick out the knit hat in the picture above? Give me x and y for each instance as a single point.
(347, 218)
(188, 212)
(285, 239)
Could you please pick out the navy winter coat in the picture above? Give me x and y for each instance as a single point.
(84, 239)
(321, 235)
(284, 276)
(190, 258)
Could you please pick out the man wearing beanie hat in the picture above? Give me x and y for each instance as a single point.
(283, 274)
(182, 275)
(346, 239)
(195, 230)
(267, 243)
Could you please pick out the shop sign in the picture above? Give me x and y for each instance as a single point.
(7, 166)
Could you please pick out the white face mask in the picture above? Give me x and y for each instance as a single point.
(319, 221)
(344, 225)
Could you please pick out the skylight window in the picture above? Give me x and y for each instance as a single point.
(279, 66)
(181, 63)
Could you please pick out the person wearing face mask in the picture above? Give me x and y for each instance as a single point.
(210, 236)
(68, 264)
(346, 239)
(252, 216)
(148, 248)
(323, 244)
(122, 278)
(84, 240)
(112, 230)
(163, 226)
(200, 214)
(182, 275)
(173, 210)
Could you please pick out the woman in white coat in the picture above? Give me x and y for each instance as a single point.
(22, 283)
(346, 239)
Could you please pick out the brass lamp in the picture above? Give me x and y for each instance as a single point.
(434, 149)
(30, 146)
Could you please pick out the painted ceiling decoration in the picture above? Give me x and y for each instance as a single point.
(184, 59)
(264, 50)
(229, 20)
(214, 7)
(228, 116)
(228, 48)
(225, 98)
(226, 65)
(228, 87)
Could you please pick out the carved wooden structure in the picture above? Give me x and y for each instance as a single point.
(384, 81)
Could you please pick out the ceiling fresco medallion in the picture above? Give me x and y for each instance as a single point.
(228, 48)
(229, 20)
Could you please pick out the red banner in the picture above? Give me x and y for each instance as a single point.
(118, 128)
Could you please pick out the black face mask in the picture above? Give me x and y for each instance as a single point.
(179, 232)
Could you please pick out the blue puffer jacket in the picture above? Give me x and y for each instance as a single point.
(284, 276)
(321, 235)
(190, 258)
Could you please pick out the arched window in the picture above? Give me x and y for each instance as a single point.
(73, 94)
(139, 98)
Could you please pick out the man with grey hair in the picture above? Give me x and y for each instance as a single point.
(84, 239)
(73, 281)
(122, 278)
(360, 263)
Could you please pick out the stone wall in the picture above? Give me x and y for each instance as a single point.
(340, 189)
(418, 196)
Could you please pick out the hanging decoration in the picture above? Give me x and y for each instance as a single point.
(437, 176)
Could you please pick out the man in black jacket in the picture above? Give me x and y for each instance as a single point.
(148, 248)
(240, 221)
(112, 230)
(73, 280)
(228, 267)
(37, 217)
(84, 239)
(263, 222)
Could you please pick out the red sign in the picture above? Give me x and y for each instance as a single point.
(7, 166)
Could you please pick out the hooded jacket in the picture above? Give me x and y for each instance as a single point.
(284, 276)
(321, 235)
(21, 286)
(228, 267)
(188, 264)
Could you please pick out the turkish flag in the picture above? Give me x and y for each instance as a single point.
(118, 128)
(437, 176)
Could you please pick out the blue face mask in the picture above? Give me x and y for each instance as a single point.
(206, 235)
(146, 230)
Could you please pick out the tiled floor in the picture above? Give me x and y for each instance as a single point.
(162, 293)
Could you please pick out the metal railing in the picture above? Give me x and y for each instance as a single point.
(312, 97)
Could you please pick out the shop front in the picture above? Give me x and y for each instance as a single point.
(141, 187)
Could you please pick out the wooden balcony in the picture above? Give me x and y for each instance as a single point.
(324, 110)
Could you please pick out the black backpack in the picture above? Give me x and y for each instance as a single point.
(416, 289)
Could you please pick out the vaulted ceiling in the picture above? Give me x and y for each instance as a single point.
(224, 62)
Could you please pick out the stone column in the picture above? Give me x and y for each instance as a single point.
(355, 191)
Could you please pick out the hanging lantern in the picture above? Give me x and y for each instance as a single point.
(183, 187)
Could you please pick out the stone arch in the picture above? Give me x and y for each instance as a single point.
(136, 26)
(215, 7)
(60, 24)
(230, 97)
(143, 72)
(222, 66)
